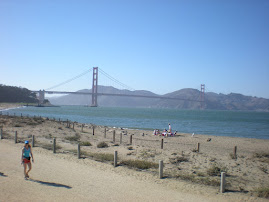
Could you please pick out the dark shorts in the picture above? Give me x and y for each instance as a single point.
(26, 159)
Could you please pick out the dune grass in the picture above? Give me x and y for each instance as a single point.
(139, 164)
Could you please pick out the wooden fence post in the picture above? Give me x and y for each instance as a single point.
(92, 130)
(198, 147)
(235, 150)
(54, 145)
(33, 140)
(105, 132)
(160, 169)
(115, 158)
(162, 144)
(114, 136)
(16, 137)
(222, 182)
(1, 134)
(131, 139)
(78, 151)
(120, 138)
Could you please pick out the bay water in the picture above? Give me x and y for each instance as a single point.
(219, 123)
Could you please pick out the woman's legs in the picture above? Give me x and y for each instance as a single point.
(30, 167)
(24, 166)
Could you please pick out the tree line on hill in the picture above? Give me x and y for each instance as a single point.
(15, 94)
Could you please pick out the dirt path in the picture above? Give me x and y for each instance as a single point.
(61, 177)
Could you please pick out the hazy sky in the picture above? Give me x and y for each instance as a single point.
(155, 45)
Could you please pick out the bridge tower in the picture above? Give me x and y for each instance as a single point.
(202, 96)
(94, 86)
(41, 97)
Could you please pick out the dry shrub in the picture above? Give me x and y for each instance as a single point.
(263, 157)
(74, 138)
(199, 180)
(101, 156)
(216, 170)
(178, 159)
(85, 143)
(102, 145)
(262, 192)
(49, 146)
(139, 164)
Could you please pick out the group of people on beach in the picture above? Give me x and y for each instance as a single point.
(165, 133)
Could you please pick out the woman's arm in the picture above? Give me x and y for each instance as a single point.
(22, 155)
(32, 155)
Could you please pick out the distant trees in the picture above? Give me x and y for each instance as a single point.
(16, 94)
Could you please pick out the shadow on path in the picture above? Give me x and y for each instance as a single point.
(51, 184)
(3, 175)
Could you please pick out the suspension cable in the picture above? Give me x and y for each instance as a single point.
(115, 80)
(69, 80)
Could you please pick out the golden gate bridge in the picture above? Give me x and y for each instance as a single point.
(95, 93)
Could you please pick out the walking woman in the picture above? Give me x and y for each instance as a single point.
(26, 159)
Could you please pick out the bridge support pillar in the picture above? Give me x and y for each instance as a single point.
(202, 96)
(41, 97)
(94, 87)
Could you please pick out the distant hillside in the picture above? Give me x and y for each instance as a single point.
(16, 94)
(213, 101)
(107, 101)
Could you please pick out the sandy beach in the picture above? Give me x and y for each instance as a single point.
(189, 174)
(4, 106)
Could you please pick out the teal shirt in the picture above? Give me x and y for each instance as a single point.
(26, 152)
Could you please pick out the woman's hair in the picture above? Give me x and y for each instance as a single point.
(28, 145)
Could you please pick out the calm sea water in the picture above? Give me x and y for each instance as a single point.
(219, 123)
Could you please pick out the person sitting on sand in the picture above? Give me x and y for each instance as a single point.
(164, 132)
(155, 132)
(25, 158)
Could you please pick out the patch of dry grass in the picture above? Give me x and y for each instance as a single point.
(102, 145)
(261, 192)
(215, 170)
(139, 164)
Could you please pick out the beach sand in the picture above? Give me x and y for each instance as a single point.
(9, 105)
(187, 172)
